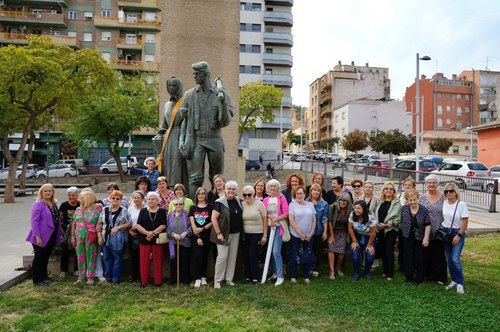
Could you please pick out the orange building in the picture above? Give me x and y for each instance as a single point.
(447, 103)
(489, 143)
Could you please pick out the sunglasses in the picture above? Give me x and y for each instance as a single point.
(115, 198)
(247, 195)
(448, 191)
(389, 188)
(356, 186)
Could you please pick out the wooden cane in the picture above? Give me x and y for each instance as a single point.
(178, 254)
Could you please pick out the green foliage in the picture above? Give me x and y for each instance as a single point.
(440, 144)
(329, 142)
(323, 305)
(294, 139)
(257, 101)
(392, 142)
(355, 141)
(129, 105)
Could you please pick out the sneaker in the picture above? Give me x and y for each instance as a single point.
(340, 273)
(273, 277)
(460, 289)
(102, 279)
(197, 283)
(62, 274)
(315, 274)
(78, 281)
(216, 285)
(293, 281)
(203, 281)
(230, 283)
(332, 275)
(91, 281)
(279, 281)
(356, 277)
(388, 279)
(307, 280)
(369, 276)
(452, 285)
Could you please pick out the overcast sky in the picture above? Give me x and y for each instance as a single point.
(458, 35)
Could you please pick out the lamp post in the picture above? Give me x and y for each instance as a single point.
(418, 111)
(471, 143)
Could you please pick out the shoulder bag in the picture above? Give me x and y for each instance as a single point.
(441, 234)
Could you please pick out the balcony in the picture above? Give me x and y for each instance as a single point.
(129, 44)
(21, 39)
(277, 80)
(130, 65)
(325, 112)
(278, 59)
(278, 38)
(143, 4)
(325, 82)
(42, 2)
(324, 135)
(325, 97)
(44, 17)
(278, 18)
(286, 102)
(288, 3)
(124, 23)
(324, 124)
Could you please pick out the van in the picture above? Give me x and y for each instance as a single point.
(80, 164)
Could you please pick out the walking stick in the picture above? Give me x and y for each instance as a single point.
(178, 254)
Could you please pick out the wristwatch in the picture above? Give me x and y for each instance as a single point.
(459, 234)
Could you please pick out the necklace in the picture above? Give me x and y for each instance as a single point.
(151, 217)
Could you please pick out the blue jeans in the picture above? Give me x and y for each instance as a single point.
(277, 259)
(453, 253)
(306, 268)
(356, 254)
(113, 260)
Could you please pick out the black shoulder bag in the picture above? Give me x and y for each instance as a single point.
(444, 236)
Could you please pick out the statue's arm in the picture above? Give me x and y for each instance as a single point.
(225, 109)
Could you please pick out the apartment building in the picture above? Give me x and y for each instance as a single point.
(485, 84)
(266, 55)
(338, 87)
(447, 104)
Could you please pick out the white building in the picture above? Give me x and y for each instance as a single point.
(266, 55)
(370, 115)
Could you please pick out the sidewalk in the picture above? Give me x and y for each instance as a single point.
(15, 225)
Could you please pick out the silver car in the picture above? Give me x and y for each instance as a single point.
(57, 171)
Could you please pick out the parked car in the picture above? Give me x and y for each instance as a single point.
(30, 172)
(378, 168)
(111, 167)
(252, 165)
(360, 166)
(80, 164)
(495, 171)
(57, 171)
(371, 157)
(298, 157)
(406, 168)
(467, 173)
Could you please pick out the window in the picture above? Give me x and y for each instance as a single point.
(467, 97)
(243, 27)
(243, 6)
(343, 118)
(459, 97)
(263, 133)
(106, 56)
(448, 95)
(150, 38)
(439, 95)
(456, 149)
(440, 123)
(87, 36)
(269, 51)
(466, 148)
(106, 13)
(131, 39)
(242, 69)
(467, 109)
(440, 110)
(150, 16)
(448, 109)
(255, 69)
(36, 12)
(242, 48)
(459, 124)
(149, 58)
(106, 35)
(256, 7)
(255, 48)
(72, 15)
(36, 31)
(71, 33)
(269, 71)
(459, 111)
(55, 33)
(87, 16)
(256, 27)
(448, 121)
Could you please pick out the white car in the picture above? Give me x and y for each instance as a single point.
(111, 167)
(466, 173)
(30, 172)
(57, 171)
(495, 171)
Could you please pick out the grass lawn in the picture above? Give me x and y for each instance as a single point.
(323, 305)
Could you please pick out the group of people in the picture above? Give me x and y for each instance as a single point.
(304, 222)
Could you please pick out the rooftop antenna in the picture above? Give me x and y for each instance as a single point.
(487, 60)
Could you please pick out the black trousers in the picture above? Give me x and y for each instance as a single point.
(251, 255)
(41, 259)
(66, 254)
(134, 259)
(414, 257)
(436, 266)
(200, 257)
(388, 258)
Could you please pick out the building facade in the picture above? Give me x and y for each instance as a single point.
(338, 87)
(266, 55)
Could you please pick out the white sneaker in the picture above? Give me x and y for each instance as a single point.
(216, 285)
(307, 280)
(279, 281)
(62, 274)
(203, 281)
(460, 289)
(197, 283)
(102, 279)
(315, 274)
(230, 283)
(452, 285)
(273, 277)
(293, 281)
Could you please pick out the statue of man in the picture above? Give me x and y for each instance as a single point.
(206, 110)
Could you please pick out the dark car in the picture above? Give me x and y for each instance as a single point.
(252, 165)
(406, 168)
(378, 168)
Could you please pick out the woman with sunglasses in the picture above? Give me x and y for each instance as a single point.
(455, 221)
(388, 215)
(357, 189)
(338, 215)
(179, 231)
(199, 216)
(255, 226)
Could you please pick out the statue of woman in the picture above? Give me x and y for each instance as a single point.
(173, 164)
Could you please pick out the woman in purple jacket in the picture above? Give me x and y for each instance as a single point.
(45, 232)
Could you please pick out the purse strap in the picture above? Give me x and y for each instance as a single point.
(453, 220)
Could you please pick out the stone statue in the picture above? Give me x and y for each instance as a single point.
(207, 109)
(171, 162)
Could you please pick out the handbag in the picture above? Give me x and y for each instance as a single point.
(162, 238)
(305, 256)
(92, 236)
(286, 231)
(444, 236)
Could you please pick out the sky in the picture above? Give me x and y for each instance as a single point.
(458, 35)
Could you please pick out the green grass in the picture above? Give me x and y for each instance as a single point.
(324, 305)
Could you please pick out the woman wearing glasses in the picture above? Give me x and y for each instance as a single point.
(388, 215)
(455, 221)
(357, 189)
(227, 224)
(338, 215)
(255, 226)
(179, 232)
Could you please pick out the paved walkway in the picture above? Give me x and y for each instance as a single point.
(15, 224)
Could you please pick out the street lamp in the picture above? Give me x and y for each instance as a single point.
(418, 112)
(471, 143)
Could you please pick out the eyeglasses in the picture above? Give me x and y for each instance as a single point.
(342, 200)
(357, 186)
(178, 204)
(231, 188)
(115, 198)
(446, 192)
(389, 188)
(247, 195)
(202, 193)
(299, 193)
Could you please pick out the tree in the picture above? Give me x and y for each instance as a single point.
(39, 81)
(392, 142)
(294, 139)
(129, 105)
(440, 144)
(329, 143)
(355, 141)
(257, 101)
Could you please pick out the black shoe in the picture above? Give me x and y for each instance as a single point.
(40, 283)
(48, 280)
